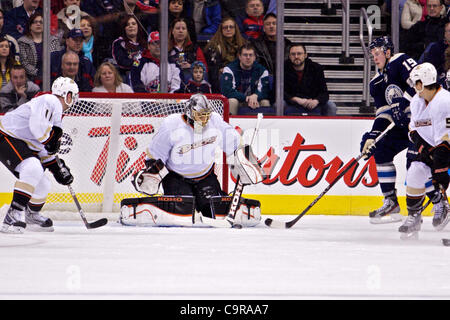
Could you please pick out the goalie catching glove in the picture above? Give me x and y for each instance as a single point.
(147, 180)
(246, 166)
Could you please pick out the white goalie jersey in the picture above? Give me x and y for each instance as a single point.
(432, 120)
(32, 122)
(187, 152)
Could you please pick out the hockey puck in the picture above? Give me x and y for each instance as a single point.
(237, 226)
(446, 242)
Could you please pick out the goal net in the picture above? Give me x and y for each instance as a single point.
(104, 142)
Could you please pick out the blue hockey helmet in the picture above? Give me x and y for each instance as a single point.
(384, 42)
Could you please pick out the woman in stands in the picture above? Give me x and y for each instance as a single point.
(31, 47)
(108, 79)
(222, 49)
(182, 51)
(6, 61)
(129, 46)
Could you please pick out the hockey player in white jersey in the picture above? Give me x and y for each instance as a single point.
(430, 132)
(29, 138)
(181, 156)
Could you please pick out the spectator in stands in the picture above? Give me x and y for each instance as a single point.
(108, 79)
(266, 49)
(246, 84)
(198, 84)
(221, 50)
(413, 12)
(11, 39)
(93, 48)
(145, 72)
(435, 54)
(86, 70)
(251, 24)
(66, 22)
(421, 34)
(7, 61)
(446, 82)
(31, 47)
(182, 52)
(16, 19)
(70, 67)
(305, 88)
(18, 90)
(207, 15)
(235, 8)
(129, 46)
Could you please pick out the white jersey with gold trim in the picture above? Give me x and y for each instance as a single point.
(33, 121)
(431, 120)
(187, 152)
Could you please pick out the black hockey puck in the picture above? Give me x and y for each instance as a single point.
(446, 242)
(237, 226)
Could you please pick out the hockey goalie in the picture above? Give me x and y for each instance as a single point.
(181, 158)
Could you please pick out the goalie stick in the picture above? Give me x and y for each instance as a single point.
(228, 221)
(239, 187)
(92, 225)
(286, 225)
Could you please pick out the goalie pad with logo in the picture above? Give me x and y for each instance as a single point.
(178, 211)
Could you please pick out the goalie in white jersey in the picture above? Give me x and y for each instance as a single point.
(430, 131)
(181, 156)
(29, 138)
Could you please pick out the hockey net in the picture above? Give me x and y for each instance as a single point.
(104, 142)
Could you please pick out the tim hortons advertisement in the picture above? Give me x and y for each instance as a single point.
(301, 157)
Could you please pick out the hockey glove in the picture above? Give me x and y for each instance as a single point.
(62, 174)
(441, 156)
(148, 180)
(398, 114)
(53, 143)
(423, 148)
(153, 166)
(367, 143)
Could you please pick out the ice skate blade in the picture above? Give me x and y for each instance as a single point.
(6, 228)
(409, 235)
(37, 228)
(393, 218)
(441, 226)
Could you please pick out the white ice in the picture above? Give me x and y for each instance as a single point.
(321, 257)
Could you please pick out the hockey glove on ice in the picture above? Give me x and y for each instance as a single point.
(367, 143)
(62, 174)
(53, 143)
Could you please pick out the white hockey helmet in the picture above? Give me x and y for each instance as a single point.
(424, 72)
(62, 86)
(198, 109)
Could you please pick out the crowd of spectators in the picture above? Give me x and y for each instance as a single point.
(425, 33)
(215, 46)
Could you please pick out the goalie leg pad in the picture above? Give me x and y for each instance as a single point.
(164, 211)
(247, 167)
(248, 213)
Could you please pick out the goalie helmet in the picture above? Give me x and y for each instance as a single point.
(62, 86)
(384, 42)
(425, 73)
(198, 109)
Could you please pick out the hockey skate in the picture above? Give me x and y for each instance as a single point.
(37, 222)
(14, 221)
(389, 212)
(411, 227)
(441, 215)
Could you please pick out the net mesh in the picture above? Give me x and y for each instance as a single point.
(104, 142)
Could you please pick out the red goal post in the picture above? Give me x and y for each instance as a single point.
(104, 142)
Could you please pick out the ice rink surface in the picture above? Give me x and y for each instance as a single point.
(321, 257)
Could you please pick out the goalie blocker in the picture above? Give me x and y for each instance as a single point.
(179, 211)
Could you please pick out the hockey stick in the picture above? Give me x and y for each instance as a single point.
(239, 187)
(92, 225)
(446, 241)
(286, 225)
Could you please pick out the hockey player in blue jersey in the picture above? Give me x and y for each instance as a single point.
(392, 94)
